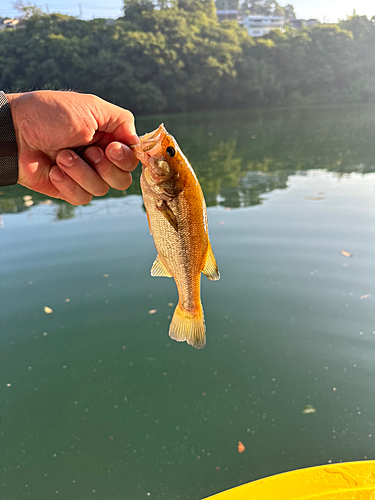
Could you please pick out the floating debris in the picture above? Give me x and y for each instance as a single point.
(367, 296)
(315, 198)
(240, 447)
(308, 409)
(152, 311)
(170, 304)
(67, 300)
(346, 254)
(48, 310)
(105, 275)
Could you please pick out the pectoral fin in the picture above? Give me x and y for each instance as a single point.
(210, 268)
(158, 269)
(166, 210)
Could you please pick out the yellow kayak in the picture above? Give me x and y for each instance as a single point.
(347, 481)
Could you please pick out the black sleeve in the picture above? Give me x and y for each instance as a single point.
(8, 145)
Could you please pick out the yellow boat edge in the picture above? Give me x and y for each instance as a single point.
(343, 481)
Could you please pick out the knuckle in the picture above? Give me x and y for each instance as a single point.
(128, 115)
(106, 170)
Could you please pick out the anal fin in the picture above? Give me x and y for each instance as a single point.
(210, 268)
(158, 269)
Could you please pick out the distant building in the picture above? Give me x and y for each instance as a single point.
(297, 24)
(311, 22)
(227, 15)
(262, 25)
(6, 22)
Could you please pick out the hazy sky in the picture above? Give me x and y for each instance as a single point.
(328, 10)
(332, 10)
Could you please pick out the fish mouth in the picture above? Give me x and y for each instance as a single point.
(150, 141)
(149, 149)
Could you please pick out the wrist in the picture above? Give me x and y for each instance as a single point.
(14, 101)
(8, 144)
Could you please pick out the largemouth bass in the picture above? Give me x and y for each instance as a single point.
(177, 217)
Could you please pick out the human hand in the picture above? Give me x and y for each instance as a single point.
(49, 124)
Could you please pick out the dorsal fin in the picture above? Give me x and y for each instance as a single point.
(210, 268)
(158, 268)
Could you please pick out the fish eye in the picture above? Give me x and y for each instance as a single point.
(170, 151)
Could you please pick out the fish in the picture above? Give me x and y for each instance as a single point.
(177, 218)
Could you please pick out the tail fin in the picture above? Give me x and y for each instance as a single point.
(189, 327)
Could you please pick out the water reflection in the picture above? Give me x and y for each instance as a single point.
(239, 157)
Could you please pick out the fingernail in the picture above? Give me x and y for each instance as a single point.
(94, 155)
(66, 158)
(56, 174)
(117, 152)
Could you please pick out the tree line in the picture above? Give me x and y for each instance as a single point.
(174, 56)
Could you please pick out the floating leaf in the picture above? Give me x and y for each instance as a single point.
(48, 310)
(367, 296)
(152, 311)
(308, 409)
(346, 254)
(240, 447)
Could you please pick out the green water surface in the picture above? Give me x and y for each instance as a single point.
(96, 402)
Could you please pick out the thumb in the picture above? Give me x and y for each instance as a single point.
(117, 121)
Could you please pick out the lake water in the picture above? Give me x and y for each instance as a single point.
(97, 401)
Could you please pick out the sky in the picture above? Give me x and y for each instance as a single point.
(324, 10)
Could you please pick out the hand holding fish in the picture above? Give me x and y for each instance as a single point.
(51, 126)
(177, 218)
